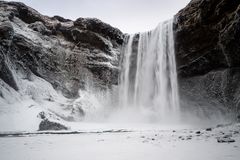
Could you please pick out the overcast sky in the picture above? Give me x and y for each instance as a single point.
(129, 16)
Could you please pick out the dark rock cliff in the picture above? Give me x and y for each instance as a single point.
(71, 54)
(65, 53)
(208, 51)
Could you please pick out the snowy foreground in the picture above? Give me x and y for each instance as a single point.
(179, 144)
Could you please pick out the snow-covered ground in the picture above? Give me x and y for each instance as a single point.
(102, 140)
(179, 144)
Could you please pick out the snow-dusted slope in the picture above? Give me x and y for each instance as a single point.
(49, 67)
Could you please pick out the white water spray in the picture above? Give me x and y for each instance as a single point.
(149, 78)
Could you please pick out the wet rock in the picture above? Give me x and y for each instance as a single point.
(95, 25)
(48, 125)
(206, 37)
(209, 129)
(61, 19)
(91, 38)
(6, 74)
(65, 53)
(6, 33)
(225, 140)
(20, 10)
(42, 115)
(227, 136)
(39, 27)
(208, 53)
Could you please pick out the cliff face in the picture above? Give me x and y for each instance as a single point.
(63, 52)
(48, 59)
(45, 61)
(208, 51)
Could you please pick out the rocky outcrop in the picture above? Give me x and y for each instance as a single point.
(63, 52)
(207, 36)
(208, 52)
(48, 125)
(39, 27)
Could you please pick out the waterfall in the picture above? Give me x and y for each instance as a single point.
(149, 78)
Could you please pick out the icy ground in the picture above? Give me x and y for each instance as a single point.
(179, 144)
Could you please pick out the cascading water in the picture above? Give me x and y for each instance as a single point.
(149, 79)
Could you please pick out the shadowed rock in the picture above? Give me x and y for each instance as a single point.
(63, 52)
(48, 125)
(39, 27)
(207, 34)
(225, 140)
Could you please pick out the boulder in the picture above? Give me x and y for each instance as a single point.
(48, 125)
(225, 140)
